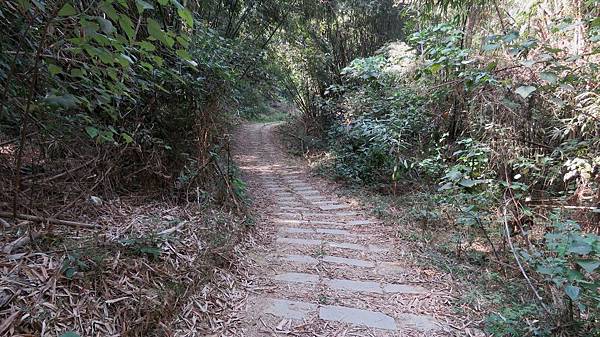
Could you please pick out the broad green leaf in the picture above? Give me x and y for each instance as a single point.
(105, 25)
(124, 60)
(525, 90)
(25, 4)
(143, 5)
(549, 77)
(147, 46)
(127, 138)
(66, 101)
(186, 16)
(54, 69)
(580, 247)
(183, 41)
(589, 265)
(183, 54)
(528, 63)
(92, 131)
(67, 10)
(69, 273)
(435, 67)
(127, 26)
(572, 292)
(156, 32)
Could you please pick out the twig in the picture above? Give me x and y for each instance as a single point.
(512, 249)
(52, 220)
(4, 223)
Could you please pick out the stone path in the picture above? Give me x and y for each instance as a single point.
(325, 268)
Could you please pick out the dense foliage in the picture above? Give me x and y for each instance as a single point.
(134, 91)
(493, 108)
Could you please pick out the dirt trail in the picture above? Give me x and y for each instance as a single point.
(323, 267)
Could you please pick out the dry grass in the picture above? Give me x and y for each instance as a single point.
(131, 278)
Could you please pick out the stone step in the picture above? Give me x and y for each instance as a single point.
(308, 192)
(325, 202)
(313, 197)
(352, 285)
(299, 230)
(332, 207)
(310, 222)
(294, 208)
(329, 259)
(325, 215)
(302, 310)
(342, 245)
(354, 316)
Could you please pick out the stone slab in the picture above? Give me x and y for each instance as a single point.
(307, 242)
(357, 286)
(300, 259)
(290, 309)
(354, 316)
(298, 278)
(294, 208)
(392, 288)
(419, 322)
(332, 207)
(308, 192)
(360, 222)
(297, 230)
(347, 261)
(325, 202)
(311, 222)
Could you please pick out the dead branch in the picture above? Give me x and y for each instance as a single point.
(51, 220)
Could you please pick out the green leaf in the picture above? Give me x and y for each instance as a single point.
(92, 131)
(491, 46)
(177, 4)
(156, 32)
(435, 67)
(589, 265)
(549, 77)
(127, 26)
(572, 292)
(66, 101)
(54, 69)
(105, 25)
(70, 334)
(147, 46)
(186, 16)
(143, 5)
(152, 251)
(580, 247)
(183, 54)
(528, 63)
(70, 272)
(127, 138)
(470, 182)
(67, 10)
(525, 90)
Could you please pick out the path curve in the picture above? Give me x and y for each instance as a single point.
(323, 266)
